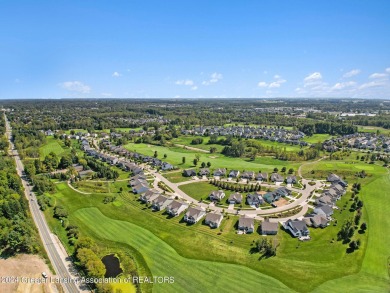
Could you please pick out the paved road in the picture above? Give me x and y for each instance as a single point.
(62, 266)
(302, 201)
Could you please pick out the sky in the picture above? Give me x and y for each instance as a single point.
(194, 49)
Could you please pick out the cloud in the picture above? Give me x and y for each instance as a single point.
(388, 69)
(194, 88)
(378, 75)
(106, 94)
(76, 86)
(274, 84)
(116, 74)
(351, 73)
(343, 85)
(371, 84)
(315, 76)
(187, 82)
(262, 84)
(214, 78)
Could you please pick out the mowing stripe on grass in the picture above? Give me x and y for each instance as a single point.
(163, 260)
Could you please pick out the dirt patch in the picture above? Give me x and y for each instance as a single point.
(24, 271)
(213, 157)
(279, 203)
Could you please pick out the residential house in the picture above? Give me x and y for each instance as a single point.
(234, 174)
(269, 228)
(235, 198)
(204, 172)
(189, 173)
(160, 202)
(297, 228)
(246, 224)
(316, 221)
(140, 188)
(194, 214)
(213, 219)
(217, 195)
(275, 177)
(325, 210)
(175, 208)
(220, 172)
(166, 166)
(291, 179)
(149, 195)
(262, 177)
(250, 175)
(254, 199)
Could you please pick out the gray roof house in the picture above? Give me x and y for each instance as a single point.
(234, 173)
(333, 178)
(160, 202)
(175, 208)
(297, 228)
(248, 175)
(316, 220)
(220, 172)
(275, 177)
(166, 166)
(325, 199)
(254, 199)
(149, 195)
(213, 220)
(246, 224)
(217, 195)
(140, 188)
(261, 176)
(194, 214)
(189, 172)
(269, 228)
(324, 210)
(235, 198)
(204, 172)
(292, 179)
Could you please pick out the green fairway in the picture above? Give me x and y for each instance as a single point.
(293, 259)
(186, 140)
(53, 145)
(374, 273)
(163, 260)
(175, 155)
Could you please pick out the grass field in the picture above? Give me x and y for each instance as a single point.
(176, 177)
(53, 145)
(163, 260)
(373, 129)
(175, 155)
(317, 138)
(187, 244)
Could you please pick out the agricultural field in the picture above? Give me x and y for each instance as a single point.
(175, 155)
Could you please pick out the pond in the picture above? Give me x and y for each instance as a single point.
(112, 264)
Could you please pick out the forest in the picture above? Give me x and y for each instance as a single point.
(17, 231)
